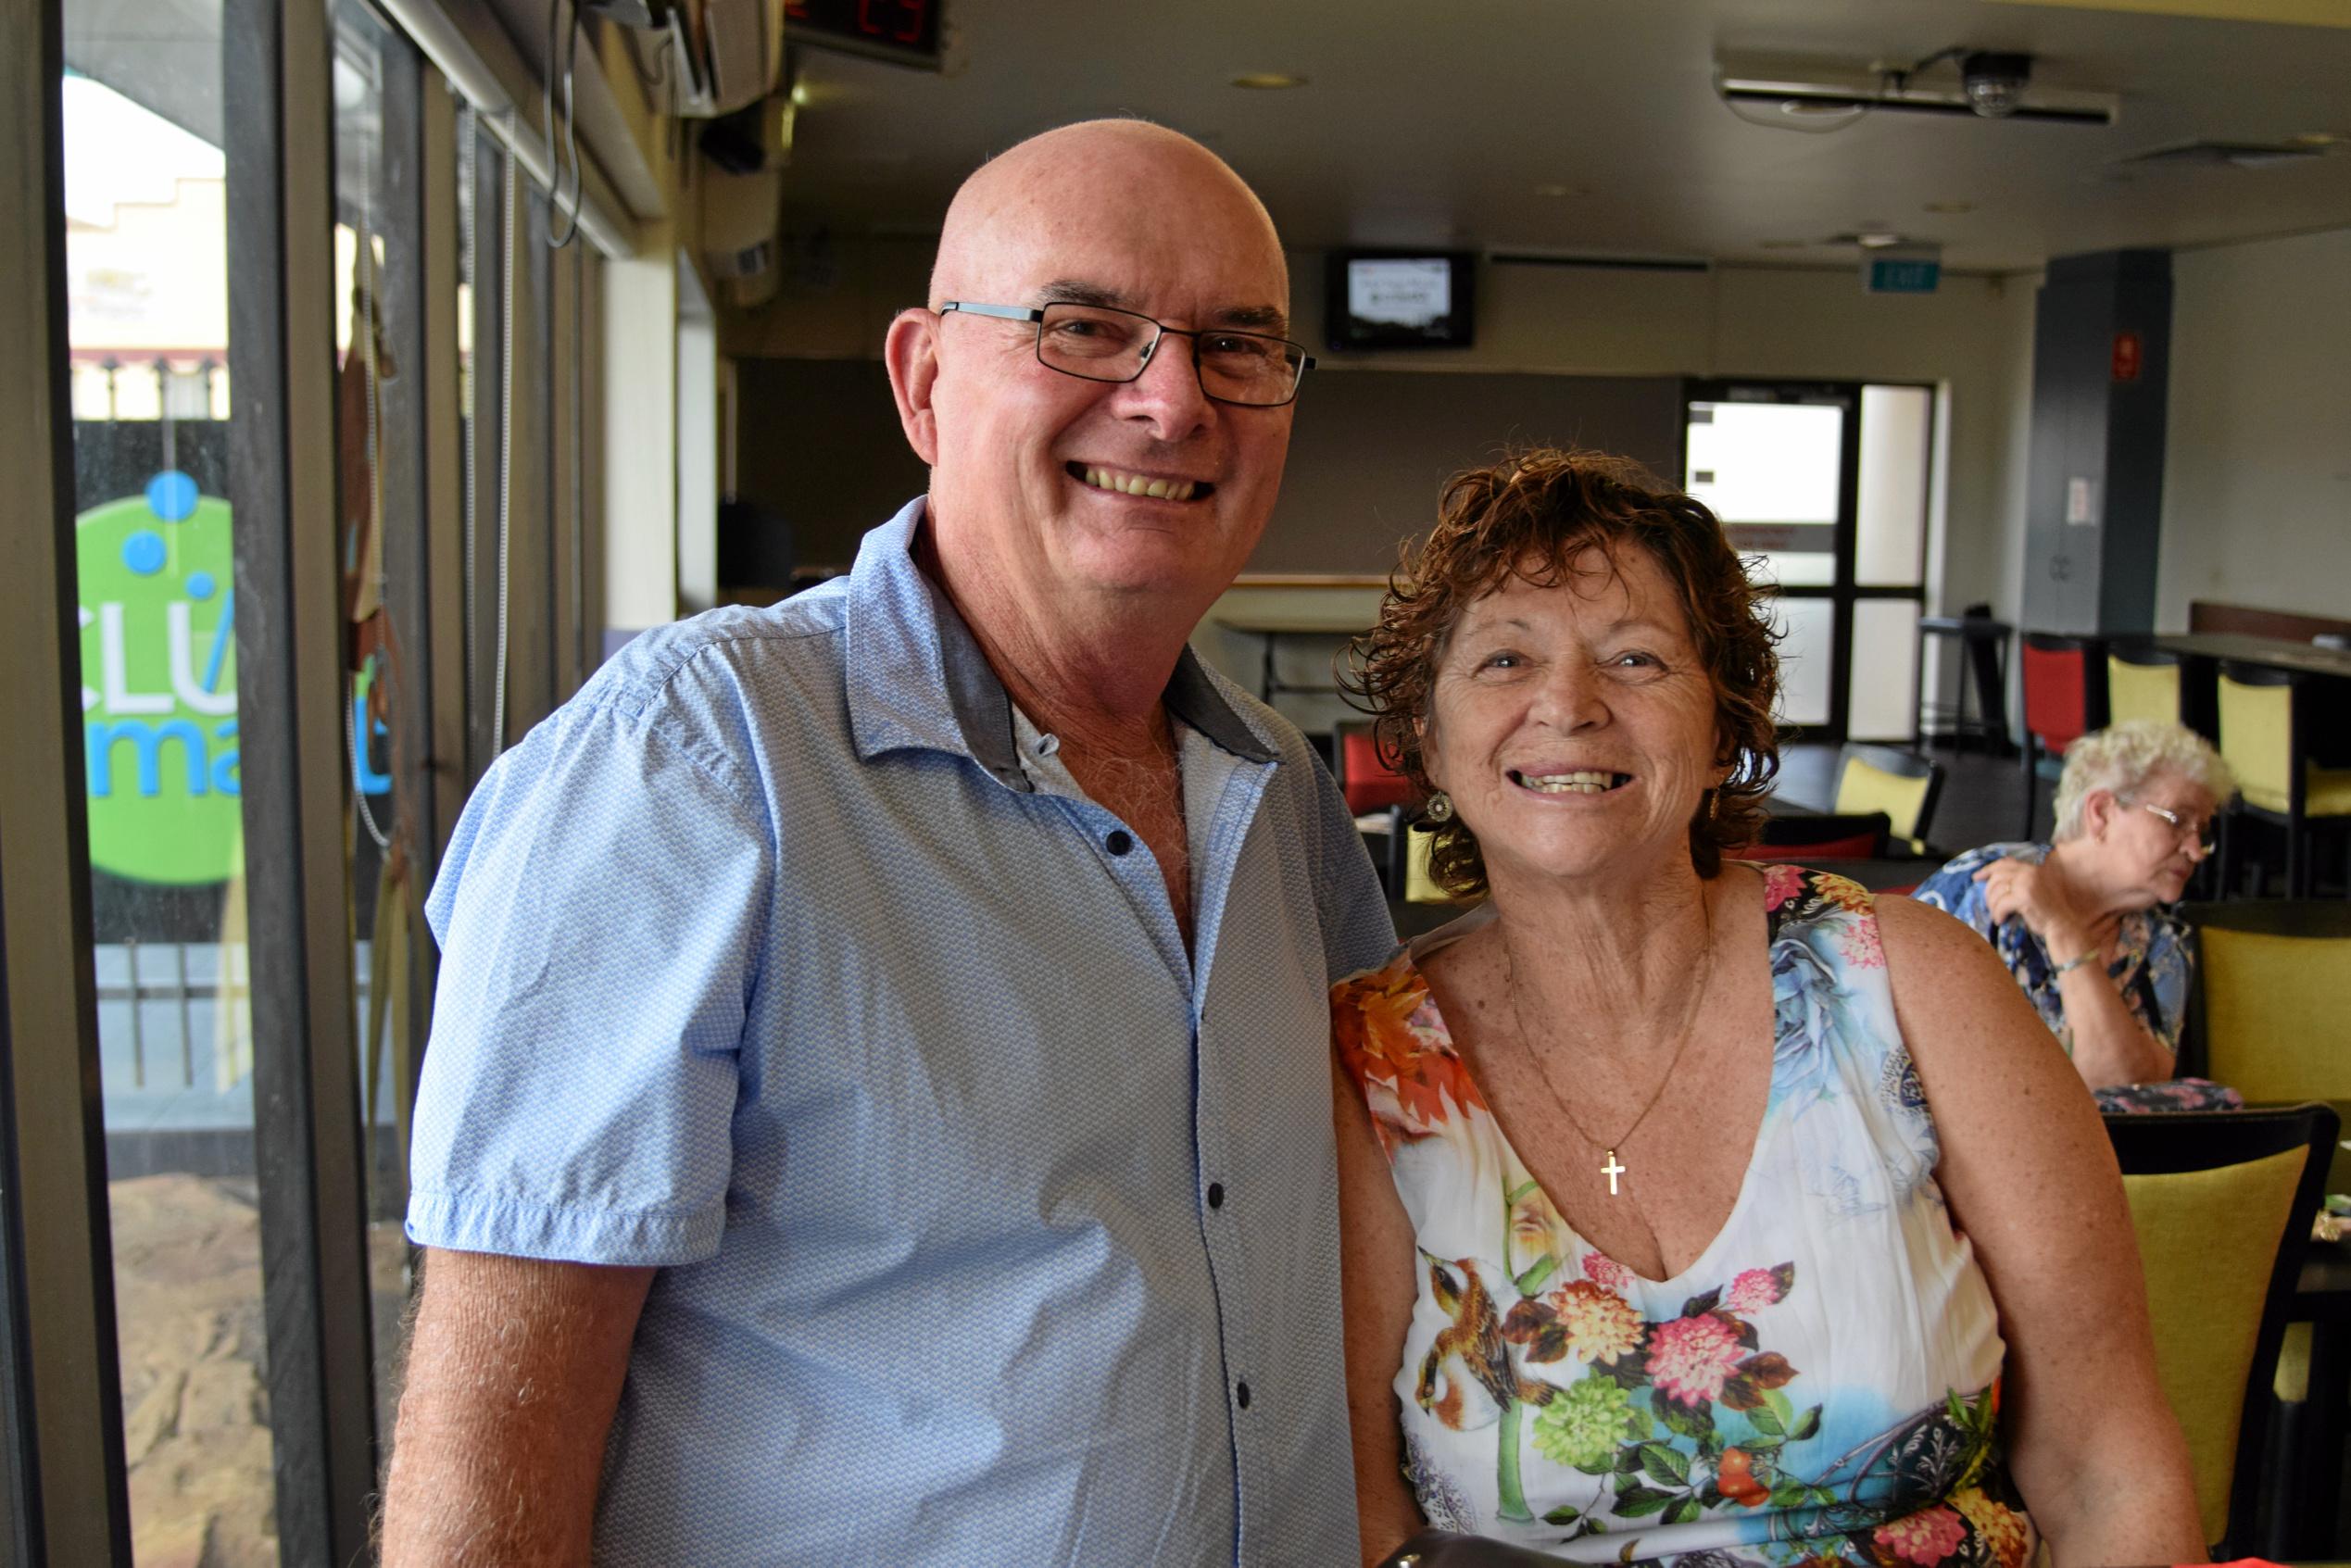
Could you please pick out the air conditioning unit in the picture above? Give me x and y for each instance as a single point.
(726, 53)
(742, 164)
(737, 50)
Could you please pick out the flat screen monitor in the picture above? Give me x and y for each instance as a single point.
(1400, 299)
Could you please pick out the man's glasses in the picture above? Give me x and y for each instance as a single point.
(2198, 834)
(1096, 342)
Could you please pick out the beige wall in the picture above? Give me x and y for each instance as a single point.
(2257, 483)
(1973, 340)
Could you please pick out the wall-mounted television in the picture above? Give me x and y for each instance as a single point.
(1400, 299)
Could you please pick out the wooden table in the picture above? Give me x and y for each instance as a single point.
(1271, 629)
(2305, 658)
(2328, 702)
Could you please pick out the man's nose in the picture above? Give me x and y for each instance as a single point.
(1167, 391)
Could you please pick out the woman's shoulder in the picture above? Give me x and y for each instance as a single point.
(1798, 895)
(1953, 887)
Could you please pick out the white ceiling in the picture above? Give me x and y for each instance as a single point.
(1439, 121)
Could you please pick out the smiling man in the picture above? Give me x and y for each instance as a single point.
(877, 1109)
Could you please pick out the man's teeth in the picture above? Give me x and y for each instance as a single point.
(1135, 485)
(1571, 784)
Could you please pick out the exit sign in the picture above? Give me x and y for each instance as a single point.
(1890, 272)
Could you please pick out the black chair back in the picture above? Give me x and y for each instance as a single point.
(2180, 1143)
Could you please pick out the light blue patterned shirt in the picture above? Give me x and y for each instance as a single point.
(994, 1227)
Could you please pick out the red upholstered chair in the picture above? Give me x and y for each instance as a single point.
(2065, 698)
(1369, 783)
(1373, 788)
(1859, 835)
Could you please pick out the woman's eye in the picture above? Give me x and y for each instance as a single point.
(1637, 660)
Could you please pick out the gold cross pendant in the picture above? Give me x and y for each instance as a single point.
(1611, 1171)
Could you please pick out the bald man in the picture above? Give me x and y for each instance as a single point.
(877, 1107)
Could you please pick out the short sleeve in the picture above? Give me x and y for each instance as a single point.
(1358, 933)
(1955, 891)
(599, 910)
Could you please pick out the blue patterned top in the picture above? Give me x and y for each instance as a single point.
(2153, 970)
(994, 1226)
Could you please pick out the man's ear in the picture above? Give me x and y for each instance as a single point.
(912, 352)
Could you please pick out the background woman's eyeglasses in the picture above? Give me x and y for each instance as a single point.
(1097, 343)
(2198, 834)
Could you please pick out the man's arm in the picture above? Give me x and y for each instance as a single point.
(514, 1370)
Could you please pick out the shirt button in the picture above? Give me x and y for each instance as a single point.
(1119, 842)
(1240, 1395)
(1216, 1195)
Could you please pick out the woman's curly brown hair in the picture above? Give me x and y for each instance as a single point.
(1530, 516)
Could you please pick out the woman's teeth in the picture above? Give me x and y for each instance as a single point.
(1571, 784)
(1135, 485)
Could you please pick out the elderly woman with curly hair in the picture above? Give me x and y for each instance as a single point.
(2080, 922)
(1693, 1209)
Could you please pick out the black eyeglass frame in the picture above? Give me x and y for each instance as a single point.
(1036, 316)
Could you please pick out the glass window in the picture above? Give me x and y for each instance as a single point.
(1885, 669)
(1808, 628)
(1770, 471)
(1889, 514)
(146, 260)
(377, 474)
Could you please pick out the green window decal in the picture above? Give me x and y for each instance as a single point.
(160, 688)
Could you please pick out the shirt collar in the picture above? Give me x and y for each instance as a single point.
(916, 677)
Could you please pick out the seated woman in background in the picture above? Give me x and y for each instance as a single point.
(2080, 920)
(1691, 1209)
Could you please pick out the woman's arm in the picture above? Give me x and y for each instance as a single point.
(2110, 1045)
(1375, 1290)
(2032, 1182)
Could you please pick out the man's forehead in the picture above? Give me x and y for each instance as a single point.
(1254, 312)
(1133, 216)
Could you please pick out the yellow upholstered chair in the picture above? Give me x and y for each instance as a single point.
(2272, 977)
(2142, 683)
(2222, 1203)
(2261, 736)
(1900, 783)
(1419, 886)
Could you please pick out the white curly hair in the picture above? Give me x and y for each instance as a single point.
(2124, 757)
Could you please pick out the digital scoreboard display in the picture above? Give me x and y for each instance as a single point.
(903, 31)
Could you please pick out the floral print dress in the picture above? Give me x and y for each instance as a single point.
(2153, 969)
(1821, 1384)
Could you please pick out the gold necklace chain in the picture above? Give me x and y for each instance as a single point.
(1611, 1168)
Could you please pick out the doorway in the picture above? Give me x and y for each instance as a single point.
(1825, 488)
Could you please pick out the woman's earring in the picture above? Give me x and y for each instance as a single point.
(1714, 801)
(1439, 807)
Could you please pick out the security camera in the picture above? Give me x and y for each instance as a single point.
(1995, 82)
